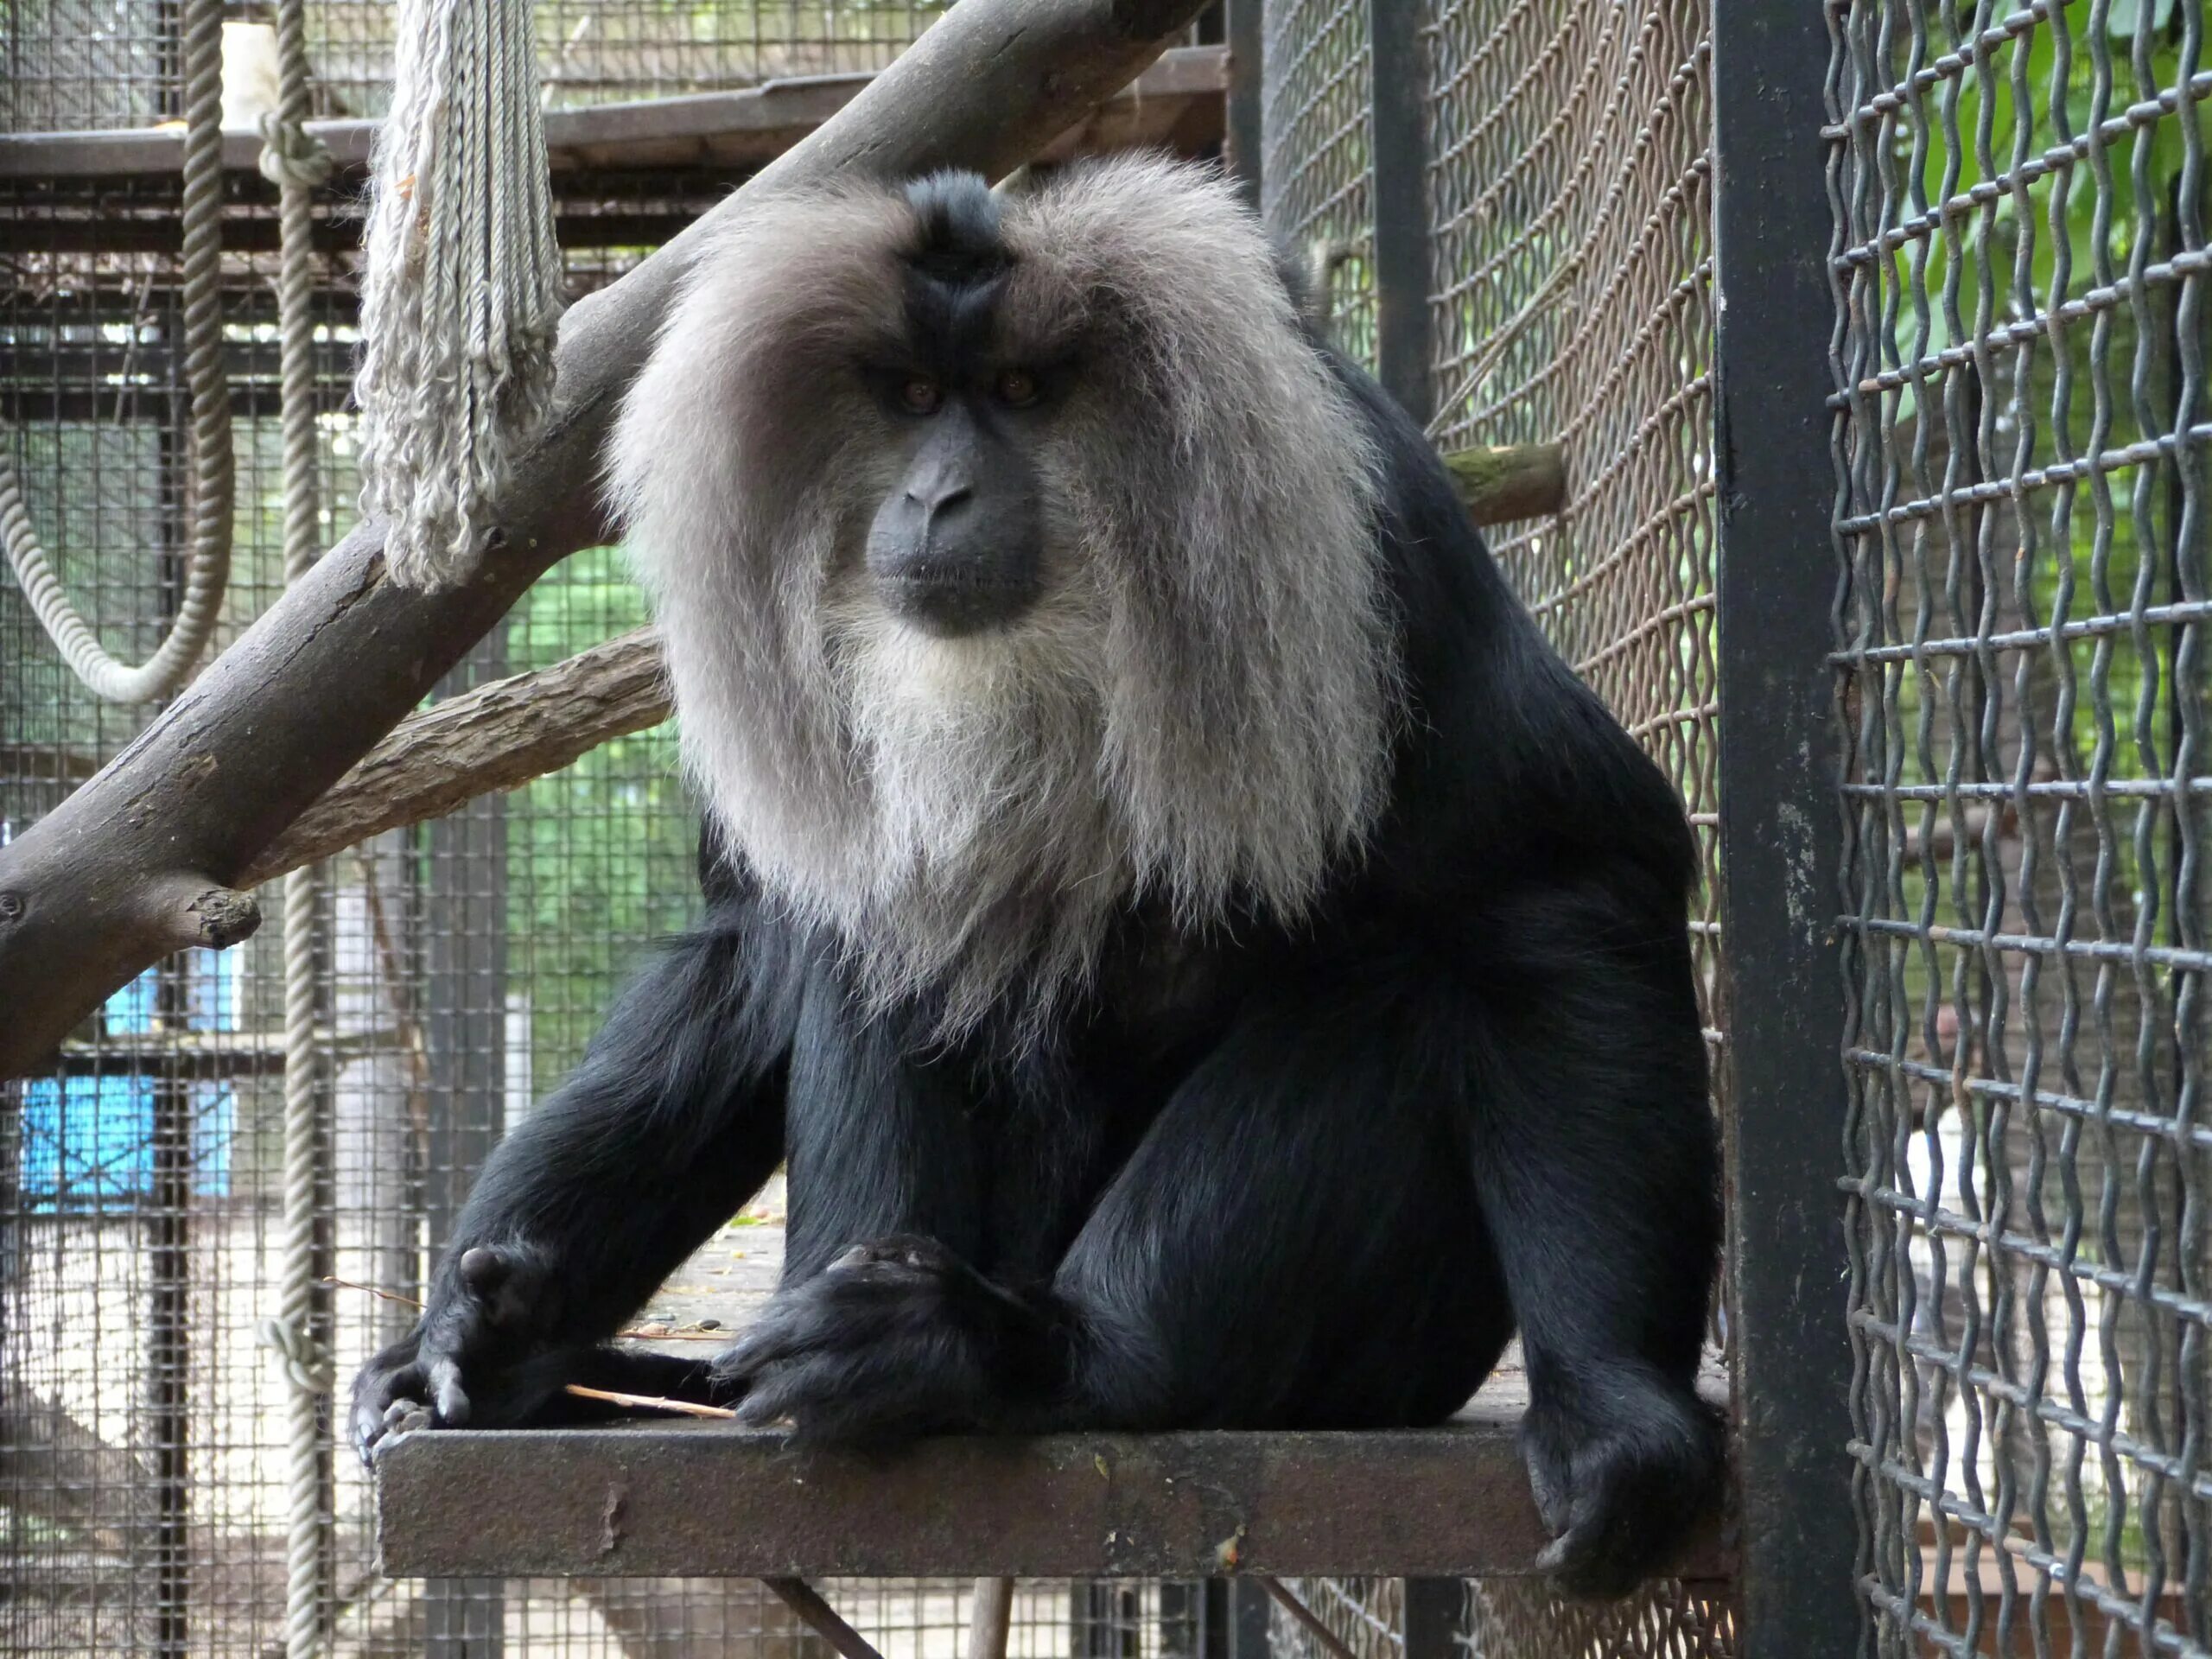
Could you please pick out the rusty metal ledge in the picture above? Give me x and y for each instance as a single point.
(706, 1500)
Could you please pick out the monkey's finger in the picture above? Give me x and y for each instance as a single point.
(1552, 1488)
(446, 1394)
(784, 1394)
(1596, 1557)
(775, 1340)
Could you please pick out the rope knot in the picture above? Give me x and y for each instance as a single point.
(292, 155)
(307, 1364)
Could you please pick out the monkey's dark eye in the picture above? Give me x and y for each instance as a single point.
(1017, 388)
(920, 396)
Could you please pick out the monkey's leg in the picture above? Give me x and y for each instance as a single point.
(674, 1117)
(1294, 1241)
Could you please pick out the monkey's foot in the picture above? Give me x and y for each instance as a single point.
(894, 1338)
(1622, 1484)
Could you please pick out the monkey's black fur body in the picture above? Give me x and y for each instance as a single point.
(1253, 1175)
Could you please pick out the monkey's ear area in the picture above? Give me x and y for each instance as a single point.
(1296, 276)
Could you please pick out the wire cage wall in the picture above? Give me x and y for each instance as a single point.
(80, 66)
(1507, 209)
(2021, 430)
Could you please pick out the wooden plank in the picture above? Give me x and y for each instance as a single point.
(704, 1500)
(1177, 102)
(659, 1498)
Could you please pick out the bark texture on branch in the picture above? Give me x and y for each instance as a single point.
(343, 656)
(502, 736)
(497, 736)
(1504, 486)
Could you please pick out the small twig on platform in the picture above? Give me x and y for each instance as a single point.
(650, 1401)
(1330, 1641)
(821, 1617)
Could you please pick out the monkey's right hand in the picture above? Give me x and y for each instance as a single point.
(482, 1354)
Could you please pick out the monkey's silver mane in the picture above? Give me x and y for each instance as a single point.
(1198, 712)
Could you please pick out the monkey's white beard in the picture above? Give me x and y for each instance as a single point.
(996, 857)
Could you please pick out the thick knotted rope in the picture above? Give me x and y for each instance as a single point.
(297, 163)
(208, 562)
(462, 296)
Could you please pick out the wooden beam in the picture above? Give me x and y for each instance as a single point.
(1179, 96)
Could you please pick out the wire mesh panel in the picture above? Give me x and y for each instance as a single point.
(597, 51)
(2021, 200)
(1570, 186)
(1567, 188)
(85, 65)
(1316, 157)
(1571, 302)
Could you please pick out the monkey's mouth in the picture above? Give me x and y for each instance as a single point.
(948, 607)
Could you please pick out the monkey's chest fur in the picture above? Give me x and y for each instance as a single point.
(1001, 1142)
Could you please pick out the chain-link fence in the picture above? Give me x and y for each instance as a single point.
(1517, 200)
(2021, 204)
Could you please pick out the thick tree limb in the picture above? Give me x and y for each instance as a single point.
(501, 735)
(343, 655)
(498, 736)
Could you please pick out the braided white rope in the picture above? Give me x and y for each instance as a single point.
(208, 563)
(462, 294)
(297, 163)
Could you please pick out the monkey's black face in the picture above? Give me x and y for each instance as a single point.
(958, 546)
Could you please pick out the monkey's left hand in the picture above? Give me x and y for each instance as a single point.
(894, 1338)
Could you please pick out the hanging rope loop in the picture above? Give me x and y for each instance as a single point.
(207, 562)
(291, 154)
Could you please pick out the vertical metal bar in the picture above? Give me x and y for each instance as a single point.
(1246, 33)
(464, 947)
(1436, 1609)
(1781, 834)
(1235, 1620)
(169, 1332)
(1399, 93)
(1179, 1619)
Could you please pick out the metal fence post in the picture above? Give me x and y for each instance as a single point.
(1245, 27)
(1434, 1617)
(1781, 832)
(1398, 89)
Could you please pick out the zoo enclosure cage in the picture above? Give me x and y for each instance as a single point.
(1964, 250)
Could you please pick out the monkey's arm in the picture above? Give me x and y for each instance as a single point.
(674, 1117)
(1596, 1165)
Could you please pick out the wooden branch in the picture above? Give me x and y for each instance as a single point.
(343, 655)
(498, 736)
(1177, 102)
(1504, 486)
(502, 736)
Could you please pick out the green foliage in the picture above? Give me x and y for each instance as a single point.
(600, 854)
